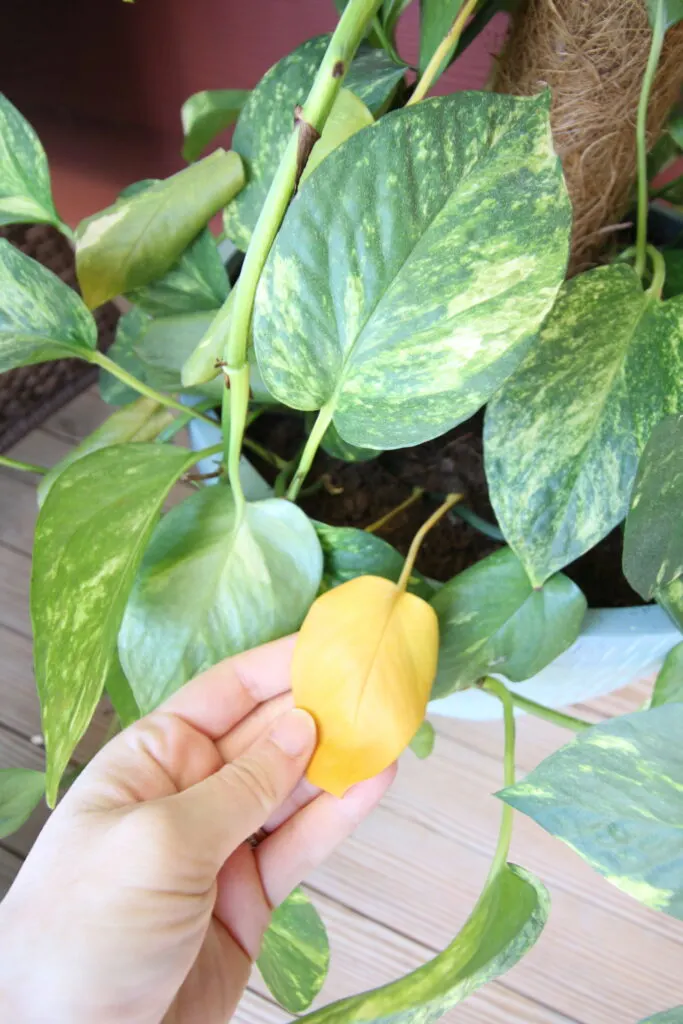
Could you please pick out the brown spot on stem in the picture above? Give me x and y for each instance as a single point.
(338, 69)
(308, 136)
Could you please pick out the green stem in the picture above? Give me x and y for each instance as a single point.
(420, 536)
(27, 467)
(264, 453)
(505, 834)
(323, 420)
(206, 453)
(414, 496)
(483, 525)
(230, 329)
(99, 359)
(442, 53)
(184, 418)
(539, 710)
(236, 405)
(658, 272)
(66, 231)
(658, 33)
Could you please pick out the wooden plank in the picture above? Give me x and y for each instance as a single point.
(38, 448)
(254, 1009)
(80, 417)
(18, 512)
(15, 568)
(422, 884)
(9, 866)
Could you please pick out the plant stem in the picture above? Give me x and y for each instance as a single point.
(27, 467)
(538, 710)
(415, 495)
(658, 272)
(264, 453)
(420, 536)
(323, 420)
(183, 419)
(658, 33)
(103, 361)
(442, 53)
(236, 405)
(232, 324)
(505, 833)
(206, 453)
(66, 231)
(472, 519)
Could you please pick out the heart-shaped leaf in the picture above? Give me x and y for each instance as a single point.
(503, 926)
(25, 190)
(563, 436)
(129, 330)
(295, 953)
(492, 620)
(673, 284)
(348, 116)
(21, 790)
(196, 283)
(206, 114)
(402, 313)
(348, 553)
(338, 448)
(615, 795)
(267, 119)
(138, 239)
(118, 689)
(422, 743)
(142, 420)
(669, 683)
(653, 539)
(214, 583)
(90, 536)
(41, 318)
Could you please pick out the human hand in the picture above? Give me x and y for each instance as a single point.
(141, 900)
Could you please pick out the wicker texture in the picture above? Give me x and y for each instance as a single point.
(29, 394)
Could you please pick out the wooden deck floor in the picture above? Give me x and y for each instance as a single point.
(402, 886)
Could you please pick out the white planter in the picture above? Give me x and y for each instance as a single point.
(616, 647)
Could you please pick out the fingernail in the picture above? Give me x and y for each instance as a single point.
(294, 732)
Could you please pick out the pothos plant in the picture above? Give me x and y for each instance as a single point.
(404, 266)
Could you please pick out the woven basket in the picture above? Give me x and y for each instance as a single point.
(29, 394)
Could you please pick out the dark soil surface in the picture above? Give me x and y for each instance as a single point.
(357, 494)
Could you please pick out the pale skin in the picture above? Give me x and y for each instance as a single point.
(141, 901)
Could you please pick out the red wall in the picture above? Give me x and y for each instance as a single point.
(103, 80)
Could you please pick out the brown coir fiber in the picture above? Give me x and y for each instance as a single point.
(592, 54)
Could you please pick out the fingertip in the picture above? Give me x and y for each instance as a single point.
(360, 799)
(294, 733)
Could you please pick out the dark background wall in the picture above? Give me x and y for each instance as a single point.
(103, 80)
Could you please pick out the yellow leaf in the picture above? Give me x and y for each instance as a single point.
(363, 666)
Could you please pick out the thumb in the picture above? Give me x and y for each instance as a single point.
(226, 808)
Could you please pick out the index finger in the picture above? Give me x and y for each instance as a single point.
(219, 698)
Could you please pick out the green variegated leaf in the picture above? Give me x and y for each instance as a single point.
(213, 584)
(90, 536)
(402, 309)
(128, 330)
(653, 539)
(295, 953)
(673, 284)
(615, 796)
(673, 11)
(671, 600)
(201, 364)
(422, 743)
(563, 436)
(120, 694)
(348, 553)
(267, 120)
(436, 18)
(206, 114)
(25, 190)
(492, 620)
(21, 790)
(503, 926)
(348, 116)
(154, 351)
(196, 283)
(139, 238)
(673, 1016)
(669, 683)
(142, 420)
(41, 318)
